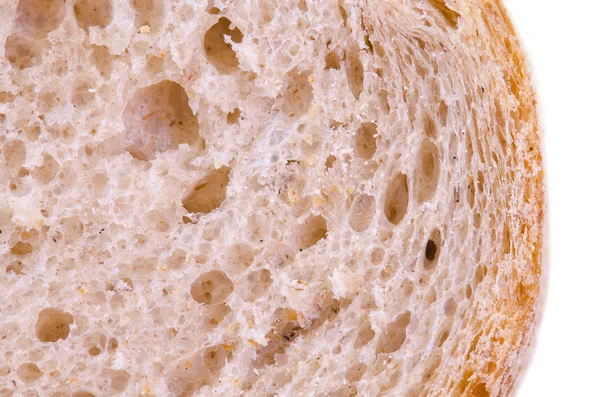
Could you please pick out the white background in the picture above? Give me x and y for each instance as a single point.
(562, 41)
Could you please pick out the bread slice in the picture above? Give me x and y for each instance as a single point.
(266, 198)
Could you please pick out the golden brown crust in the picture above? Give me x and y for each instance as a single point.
(520, 309)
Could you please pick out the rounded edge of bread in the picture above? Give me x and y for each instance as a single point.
(530, 302)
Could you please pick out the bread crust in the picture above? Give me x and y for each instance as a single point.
(528, 304)
(522, 306)
(518, 306)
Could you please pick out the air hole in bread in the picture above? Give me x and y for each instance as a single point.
(208, 194)
(332, 61)
(212, 230)
(215, 358)
(422, 71)
(386, 273)
(211, 288)
(361, 213)
(155, 64)
(329, 162)
(21, 248)
(468, 291)
(469, 147)
(176, 259)
(311, 231)
(7, 97)
(47, 100)
(29, 372)
(89, 13)
(480, 274)
(94, 351)
(365, 142)
(215, 315)
(212, 10)
(407, 287)
(442, 338)
(396, 199)
(384, 101)
(355, 70)
(506, 244)
(431, 295)
(234, 116)
(355, 372)
(83, 92)
(102, 60)
(343, 12)
(148, 12)
(449, 14)
(218, 50)
(255, 284)
(480, 181)
(427, 171)
(159, 118)
(479, 390)
(471, 193)
(22, 52)
(365, 334)
(302, 6)
(443, 113)
(298, 94)
(429, 126)
(394, 334)
(432, 250)
(367, 32)
(238, 258)
(46, 172)
(15, 267)
(159, 220)
(477, 219)
(53, 324)
(14, 153)
(114, 381)
(144, 265)
(72, 229)
(38, 18)
(33, 132)
(279, 256)
(450, 307)
(377, 255)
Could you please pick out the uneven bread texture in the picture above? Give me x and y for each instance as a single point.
(291, 198)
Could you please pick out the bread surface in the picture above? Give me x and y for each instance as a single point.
(266, 198)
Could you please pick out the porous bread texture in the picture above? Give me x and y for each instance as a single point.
(291, 198)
